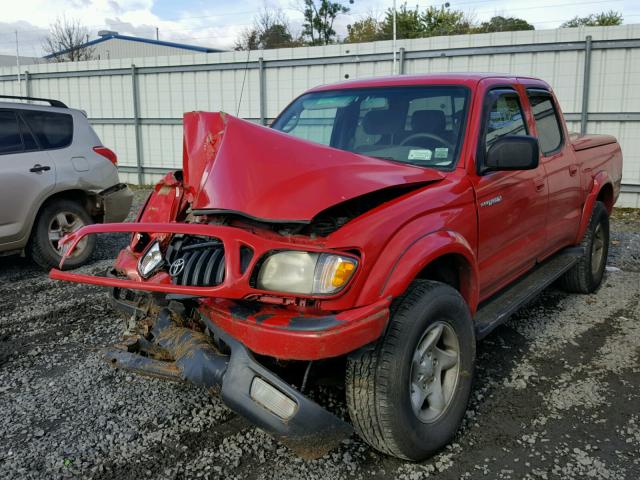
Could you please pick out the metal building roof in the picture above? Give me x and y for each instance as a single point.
(162, 43)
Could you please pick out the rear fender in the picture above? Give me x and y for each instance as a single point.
(419, 254)
(599, 181)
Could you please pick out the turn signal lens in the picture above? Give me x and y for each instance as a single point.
(333, 272)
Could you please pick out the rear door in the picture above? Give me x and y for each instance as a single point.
(27, 174)
(562, 171)
(511, 204)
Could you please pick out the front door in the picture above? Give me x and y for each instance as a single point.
(26, 175)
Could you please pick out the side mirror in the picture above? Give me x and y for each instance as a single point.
(514, 152)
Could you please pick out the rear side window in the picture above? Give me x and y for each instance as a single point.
(53, 130)
(547, 123)
(505, 118)
(10, 140)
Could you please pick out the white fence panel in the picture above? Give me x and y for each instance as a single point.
(150, 142)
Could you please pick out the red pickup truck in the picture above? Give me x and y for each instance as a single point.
(376, 231)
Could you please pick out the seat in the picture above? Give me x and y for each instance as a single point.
(386, 123)
(429, 121)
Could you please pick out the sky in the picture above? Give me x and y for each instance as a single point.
(217, 23)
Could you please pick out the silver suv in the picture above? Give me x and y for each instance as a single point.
(55, 177)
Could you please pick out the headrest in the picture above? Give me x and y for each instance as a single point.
(428, 121)
(381, 122)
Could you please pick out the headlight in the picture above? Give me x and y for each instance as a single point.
(306, 272)
(150, 261)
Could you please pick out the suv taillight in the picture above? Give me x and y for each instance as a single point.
(107, 153)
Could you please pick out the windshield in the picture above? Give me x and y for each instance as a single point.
(417, 125)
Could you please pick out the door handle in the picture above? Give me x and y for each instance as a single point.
(573, 170)
(539, 183)
(37, 168)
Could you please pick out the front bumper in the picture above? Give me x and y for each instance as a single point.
(179, 353)
(273, 330)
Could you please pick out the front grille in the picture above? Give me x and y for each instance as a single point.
(202, 261)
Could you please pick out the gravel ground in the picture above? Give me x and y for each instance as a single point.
(557, 393)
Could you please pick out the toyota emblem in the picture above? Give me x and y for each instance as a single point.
(176, 267)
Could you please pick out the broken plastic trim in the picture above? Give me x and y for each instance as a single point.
(310, 431)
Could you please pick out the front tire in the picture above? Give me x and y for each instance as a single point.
(407, 395)
(586, 275)
(56, 220)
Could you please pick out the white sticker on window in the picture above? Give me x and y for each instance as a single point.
(422, 154)
(442, 152)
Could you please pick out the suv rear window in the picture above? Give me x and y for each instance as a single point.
(10, 140)
(53, 130)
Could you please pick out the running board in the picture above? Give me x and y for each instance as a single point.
(505, 303)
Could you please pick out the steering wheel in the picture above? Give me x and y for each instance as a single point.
(430, 136)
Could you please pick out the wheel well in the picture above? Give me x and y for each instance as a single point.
(452, 269)
(86, 199)
(606, 196)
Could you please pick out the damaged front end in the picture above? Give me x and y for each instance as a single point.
(173, 349)
(199, 250)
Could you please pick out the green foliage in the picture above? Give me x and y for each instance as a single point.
(365, 30)
(443, 21)
(318, 20)
(602, 19)
(503, 24)
(408, 24)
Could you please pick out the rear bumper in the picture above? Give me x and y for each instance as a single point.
(116, 203)
(306, 427)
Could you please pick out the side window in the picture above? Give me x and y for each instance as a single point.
(547, 123)
(10, 140)
(29, 142)
(52, 129)
(505, 118)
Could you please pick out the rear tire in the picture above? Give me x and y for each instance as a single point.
(54, 221)
(393, 399)
(586, 275)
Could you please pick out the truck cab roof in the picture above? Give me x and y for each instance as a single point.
(469, 79)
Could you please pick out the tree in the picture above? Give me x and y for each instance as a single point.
(411, 23)
(602, 19)
(503, 24)
(270, 30)
(443, 21)
(365, 30)
(67, 41)
(319, 16)
(408, 24)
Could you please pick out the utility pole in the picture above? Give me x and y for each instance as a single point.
(157, 33)
(395, 65)
(18, 65)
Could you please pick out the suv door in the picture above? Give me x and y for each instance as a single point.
(511, 204)
(562, 172)
(26, 175)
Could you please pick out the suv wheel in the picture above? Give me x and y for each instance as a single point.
(56, 220)
(586, 275)
(408, 393)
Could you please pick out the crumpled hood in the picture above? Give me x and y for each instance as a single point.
(233, 165)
